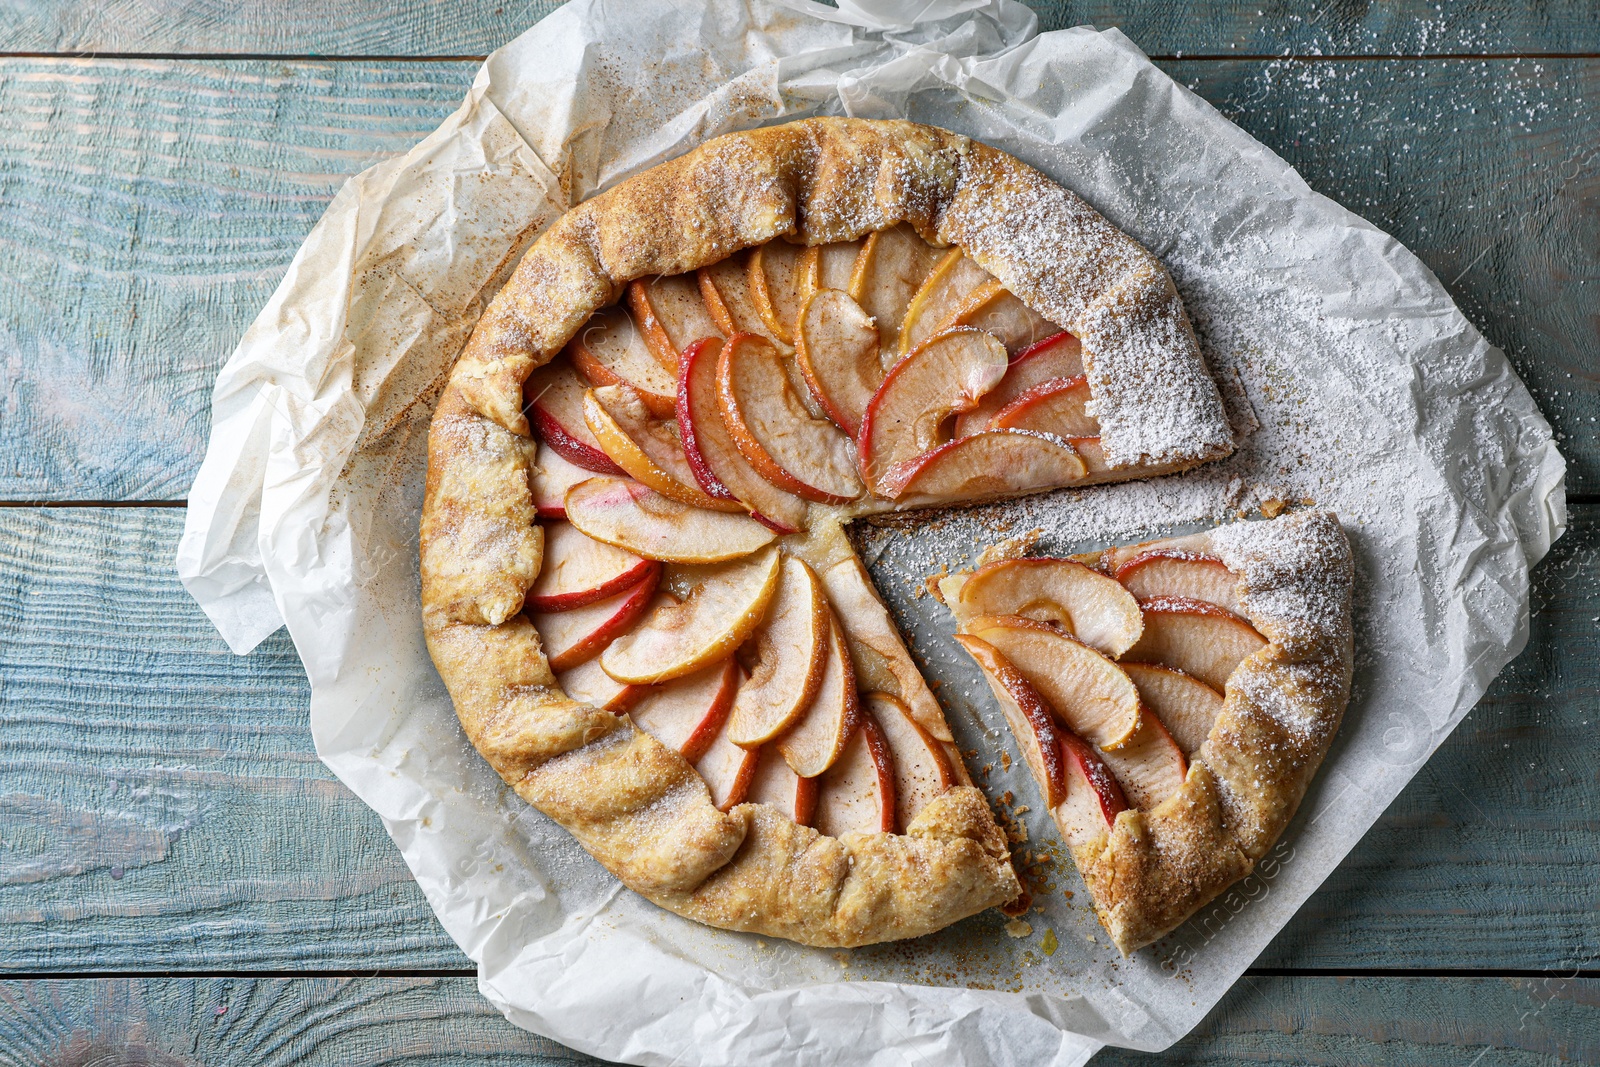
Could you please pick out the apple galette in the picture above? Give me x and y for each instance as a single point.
(636, 581)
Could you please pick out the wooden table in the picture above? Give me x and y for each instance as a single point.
(181, 881)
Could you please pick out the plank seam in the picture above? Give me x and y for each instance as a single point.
(466, 972)
(1218, 57)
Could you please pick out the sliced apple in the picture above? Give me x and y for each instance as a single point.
(1028, 716)
(671, 315)
(1149, 764)
(1094, 461)
(577, 636)
(887, 274)
(954, 289)
(579, 570)
(554, 398)
(922, 767)
(624, 513)
(776, 784)
(687, 714)
(719, 467)
(1094, 798)
(1087, 604)
(857, 793)
(776, 269)
(1017, 326)
(1057, 356)
(1196, 637)
(807, 456)
(1088, 692)
(910, 412)
(985, 466)
(725, 288)
(837, 353)
(816, 739)
(728, 771)
(1163, 572)
(677, 639)
(1185, 705)
(549, 478)
(790, 651)
(610, 350)
(646, 447)
(1053, 406)
(592, 685)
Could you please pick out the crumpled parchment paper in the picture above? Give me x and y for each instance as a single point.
(1352, 376)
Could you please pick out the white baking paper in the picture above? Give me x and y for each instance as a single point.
(1356, 383)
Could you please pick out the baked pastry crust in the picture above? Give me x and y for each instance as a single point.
(633, 803)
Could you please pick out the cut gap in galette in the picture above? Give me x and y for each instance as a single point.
(637, 583)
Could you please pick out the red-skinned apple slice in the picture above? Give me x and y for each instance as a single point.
(1053, 406)
(1173, 573)
(626, 514)
(985, 466)
(1088, 692)
(671, 315)
(1087, 604)
(1017, 326)
(807, 456)
(554, 396)
(647, 448)
(549, 478)
(1186, 706)
(1094, 798)
(579, 570)
(677, 639)
(910, 412)
(1029, 717)
(1057, 356)
(837, 353)
(775, 283)
(577, 636)
(776, 784)
(857, 793)
(887, 274)
(610, 350)
(728, 771)
(817, 738)
(951, 292)
(719, 467)
(687, 714)
(725, 288)
(589, 683)
(790, 650)
(922, 768)
(1149, 764)
(1196, 637)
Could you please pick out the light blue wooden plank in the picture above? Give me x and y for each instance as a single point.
(148, 209)
(442, 1022)
(1163, 27)
(161, 807)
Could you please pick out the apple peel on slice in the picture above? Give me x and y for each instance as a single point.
(577, 636)
(1087, 604)
(1057, 356)
(801, 454)
(1094, 797)
(1055, 405)
(1195, 636)
(790, 649)
(1029, 717)
(954, 289)
(554, 399)
(857, 793)
(775, 271)
(888, 271)
(579, 570)
(589, 683)
(837, 352)
(1088, 692)
(671, 315)
(610, 350)
(774, 783)
(922, 768)
(814, 742)
(624, 513)
(1186, 706)
(688, 713)
(677, 639)
(729, 301)
(719, 467)
(1149, 764)
(1159, 573)
(549, 479)
(985, 466)
(1015, 324)
(647, 448)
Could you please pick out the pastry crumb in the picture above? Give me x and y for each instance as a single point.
(1018, 928)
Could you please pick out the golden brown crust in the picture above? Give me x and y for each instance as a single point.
(636, 805)
(1282, 708)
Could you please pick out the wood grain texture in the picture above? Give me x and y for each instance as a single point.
(443, 1022)
(1160, 27)
(148, 209)
(161, 805)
